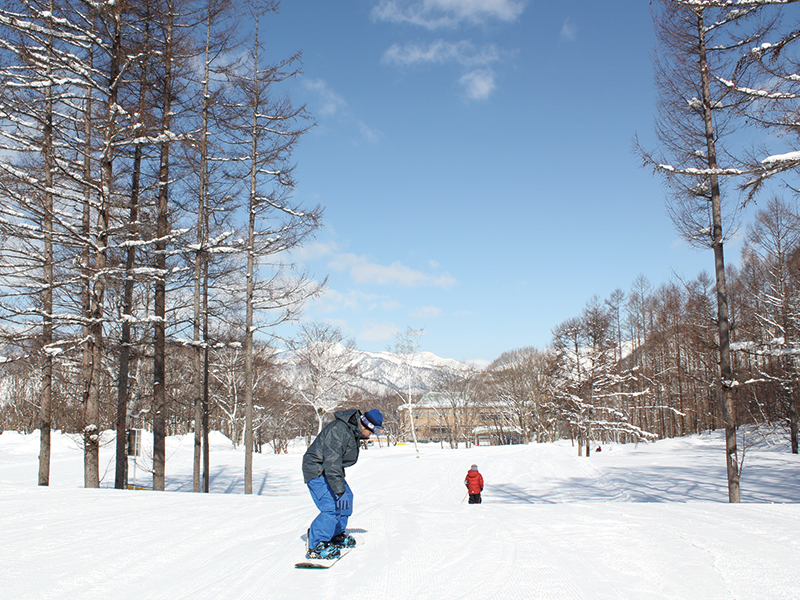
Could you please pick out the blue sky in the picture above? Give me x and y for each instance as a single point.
(474, 161)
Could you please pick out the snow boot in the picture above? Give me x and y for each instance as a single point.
(343, 540)
(323, 550)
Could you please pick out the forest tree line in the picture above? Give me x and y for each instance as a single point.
(638, 365)
(146, 210)
(650, 357)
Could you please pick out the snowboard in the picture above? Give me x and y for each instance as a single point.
(311, 563)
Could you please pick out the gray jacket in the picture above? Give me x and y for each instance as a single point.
(334, 449)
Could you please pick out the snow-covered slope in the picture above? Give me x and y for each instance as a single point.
(647, 521)
(379, 372)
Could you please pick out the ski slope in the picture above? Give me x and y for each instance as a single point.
(644, 522)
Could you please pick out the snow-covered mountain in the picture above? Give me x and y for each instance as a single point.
(380, 372)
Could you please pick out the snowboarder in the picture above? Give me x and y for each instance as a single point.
(474, 483)
(334, 449)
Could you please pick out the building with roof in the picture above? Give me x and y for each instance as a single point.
(453, 418)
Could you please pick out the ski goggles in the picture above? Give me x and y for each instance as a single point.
(370, 425)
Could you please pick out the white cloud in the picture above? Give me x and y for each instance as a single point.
(379, 332)
(363, 270)
(313, 251)
(388, 305)
(441, 52)
(427, 312)
(368, 133)
(332, 300)
(569, 31)
(478, 84)
(434, 14)
(354, 301)
(343, 326)
(331, 102)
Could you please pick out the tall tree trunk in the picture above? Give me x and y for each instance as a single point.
(121, 479)
(88, 253)
(201, 257)
(793, 429)
(198, 383)
(794, 395)
(162, 230)
(91, 417)
(206, 444)
(248, 357)
(45, 410)
(92, 413)
(123, 384)
(725, 367)
(251, 247)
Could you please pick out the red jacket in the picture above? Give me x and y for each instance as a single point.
(474, 482)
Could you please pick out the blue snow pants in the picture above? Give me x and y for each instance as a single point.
(333, 513)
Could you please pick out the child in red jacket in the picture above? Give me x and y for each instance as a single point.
(474, 483)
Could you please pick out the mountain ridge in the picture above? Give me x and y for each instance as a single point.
(381, 372)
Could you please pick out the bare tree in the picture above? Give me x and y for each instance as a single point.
(265, 127)
(459, 392)
(321, 367)
(698, 46)
(406, 348)
(592, 390)
(131, 232)
(766, 84)
(102, 140)
(521, 380)
(28, 133)
(773, 246)
(219, 25)
(228, 381)
(276, 413)
(75, 50)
